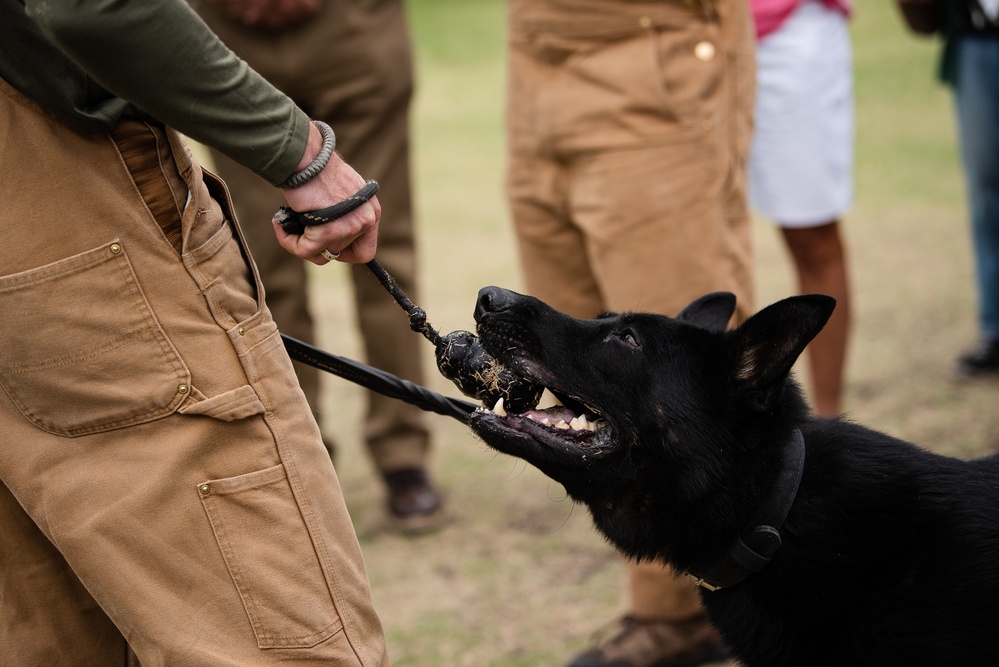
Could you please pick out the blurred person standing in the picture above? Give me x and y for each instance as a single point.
(628, 130)
(970, 64)
(801, 161)
(349, 64)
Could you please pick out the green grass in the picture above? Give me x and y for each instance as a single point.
(519, 577)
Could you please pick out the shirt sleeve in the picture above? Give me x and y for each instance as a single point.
(160, 56)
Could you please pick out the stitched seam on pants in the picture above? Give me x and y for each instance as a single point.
(294, 481)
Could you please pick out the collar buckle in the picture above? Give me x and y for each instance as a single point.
(753, 549)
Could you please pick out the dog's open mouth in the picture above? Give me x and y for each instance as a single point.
(553, 412)
(559, 420)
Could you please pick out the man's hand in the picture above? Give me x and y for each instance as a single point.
(354, 236)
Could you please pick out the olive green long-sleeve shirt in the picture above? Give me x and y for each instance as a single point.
(90, 62)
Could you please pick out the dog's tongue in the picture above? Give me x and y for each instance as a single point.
(554, 414)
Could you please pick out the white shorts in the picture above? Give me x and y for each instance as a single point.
(801, 161)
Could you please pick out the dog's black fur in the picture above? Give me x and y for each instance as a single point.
(890, 553)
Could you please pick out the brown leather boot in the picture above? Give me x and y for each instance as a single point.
(414, 505)
(656, 643)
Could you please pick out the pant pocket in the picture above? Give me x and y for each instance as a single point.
(224, 275)
(271, 558)
(80, 349)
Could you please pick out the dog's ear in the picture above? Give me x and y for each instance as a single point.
(769, 342)
(711, 311)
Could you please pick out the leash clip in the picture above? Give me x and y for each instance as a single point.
(699, 581)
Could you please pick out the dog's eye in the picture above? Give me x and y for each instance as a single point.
(626, 337)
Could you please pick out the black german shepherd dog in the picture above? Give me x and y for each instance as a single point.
(818, 542)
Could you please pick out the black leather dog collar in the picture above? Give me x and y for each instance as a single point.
(754, 549)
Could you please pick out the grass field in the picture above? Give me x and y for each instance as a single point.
(519, 577)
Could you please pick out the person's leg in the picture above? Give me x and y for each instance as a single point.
(372, 116)
(665, 620)
(163, 445)
(649, 226)
(658, 253)
(977, 101)
(800, 168)
(47, 616)
(553, 256)
(820, 261)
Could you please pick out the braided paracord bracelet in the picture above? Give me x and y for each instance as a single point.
(312, 169)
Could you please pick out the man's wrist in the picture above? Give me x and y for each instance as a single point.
(318, 163)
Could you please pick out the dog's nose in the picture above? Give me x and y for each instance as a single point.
(492, 300)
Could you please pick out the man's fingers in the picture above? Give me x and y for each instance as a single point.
(355, 234)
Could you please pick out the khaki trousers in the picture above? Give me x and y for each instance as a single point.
(163, 483)
(628, 129)
(349, 66)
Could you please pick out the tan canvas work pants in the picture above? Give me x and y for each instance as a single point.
(162, 480)
(629, 125)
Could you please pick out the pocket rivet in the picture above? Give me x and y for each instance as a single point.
(241, 331)
(205, 489)
(645, 22)
(115, 248)
(182, 389)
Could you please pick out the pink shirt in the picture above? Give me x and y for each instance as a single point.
(770, 14)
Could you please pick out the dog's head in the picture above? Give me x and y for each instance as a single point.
(654, 410)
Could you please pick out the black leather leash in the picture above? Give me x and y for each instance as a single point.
(378, 380)
(382, 382)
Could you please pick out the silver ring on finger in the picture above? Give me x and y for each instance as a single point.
(329, 256)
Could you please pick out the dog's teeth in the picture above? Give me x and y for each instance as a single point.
(498, 408)
(580, 423)
(562, 425)
(546, 421)
(548, 400)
